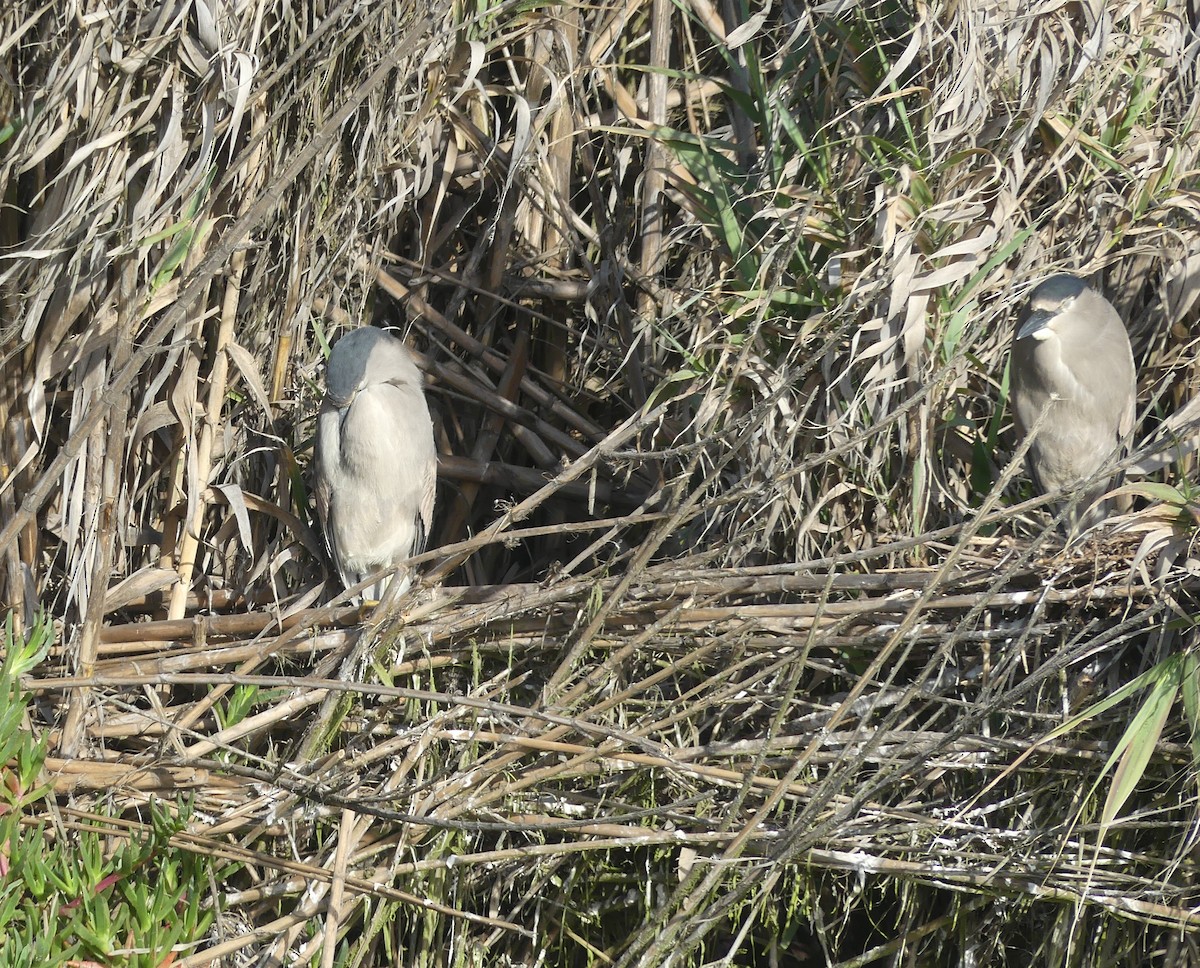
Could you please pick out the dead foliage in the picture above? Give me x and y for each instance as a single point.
(740, 636)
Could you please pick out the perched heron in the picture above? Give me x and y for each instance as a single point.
(1071, 355)
(376, 466)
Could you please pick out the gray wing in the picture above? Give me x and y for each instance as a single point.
(328, 456)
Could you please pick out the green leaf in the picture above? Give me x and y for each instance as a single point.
(1158, 492)
(1130, 688)
(1190, 690)
(1139, 740)
(1001, 256)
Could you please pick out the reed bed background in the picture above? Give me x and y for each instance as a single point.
(742, 638)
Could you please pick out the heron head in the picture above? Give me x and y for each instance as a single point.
(360, 358)
(1051, 302)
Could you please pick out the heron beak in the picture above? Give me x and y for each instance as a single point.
(1036, 324)
(340, 401)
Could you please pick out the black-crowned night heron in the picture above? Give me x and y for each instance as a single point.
(1071, 355)
(376, 466)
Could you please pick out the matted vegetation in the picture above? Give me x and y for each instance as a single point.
(743, 640)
